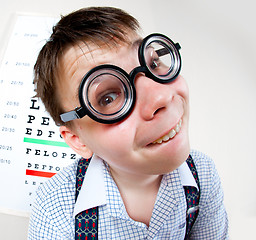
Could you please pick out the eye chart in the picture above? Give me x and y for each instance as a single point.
(31, 148)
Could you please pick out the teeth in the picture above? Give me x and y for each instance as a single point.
(172, 133)
(166, 138)
(178, 126)
(169, 135)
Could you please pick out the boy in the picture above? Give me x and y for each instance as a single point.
(120, 100)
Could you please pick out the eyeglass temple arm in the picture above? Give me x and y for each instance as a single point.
(164, 51)
(72, 115)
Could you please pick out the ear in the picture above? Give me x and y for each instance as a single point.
(74, 142)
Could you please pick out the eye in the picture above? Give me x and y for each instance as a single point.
(108, 98)
(152, 58)
(106, 94)
(155, 63)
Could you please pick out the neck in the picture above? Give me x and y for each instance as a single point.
(132, 181)
(138, 192)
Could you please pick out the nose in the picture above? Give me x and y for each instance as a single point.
(152, 97)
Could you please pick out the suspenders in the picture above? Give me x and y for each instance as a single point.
(192, 198)
(86, 222)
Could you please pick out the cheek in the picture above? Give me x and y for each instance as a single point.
(182, 88)
(119, 140)
(108, 140)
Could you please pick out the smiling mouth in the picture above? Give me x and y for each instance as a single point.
(171, 134)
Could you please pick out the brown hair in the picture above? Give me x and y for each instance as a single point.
(94, 24)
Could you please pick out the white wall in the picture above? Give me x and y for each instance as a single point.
(219, 62)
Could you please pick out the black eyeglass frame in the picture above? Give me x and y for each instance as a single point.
(80, 112)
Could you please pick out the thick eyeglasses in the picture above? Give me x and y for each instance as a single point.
(107, 93)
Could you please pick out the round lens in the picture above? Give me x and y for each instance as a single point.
(161, 57)
(107, 94)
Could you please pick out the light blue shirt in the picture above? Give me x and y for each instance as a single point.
(54, 210)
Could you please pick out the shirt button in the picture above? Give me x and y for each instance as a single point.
(182, 225)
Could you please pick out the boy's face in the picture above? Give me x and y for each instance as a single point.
(127, 146)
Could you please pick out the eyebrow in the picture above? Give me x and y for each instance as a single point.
(160, 52)
(137, 43)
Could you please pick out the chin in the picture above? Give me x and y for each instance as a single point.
(167, 165)
(176, 160)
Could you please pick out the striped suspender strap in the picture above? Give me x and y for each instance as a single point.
(86, 222)
(192, 198)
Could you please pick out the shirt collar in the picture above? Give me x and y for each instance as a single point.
(93, 190)
(186, 176)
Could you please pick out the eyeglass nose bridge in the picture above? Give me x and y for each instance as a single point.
(137, 70)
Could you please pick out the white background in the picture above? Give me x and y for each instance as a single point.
(219, 63)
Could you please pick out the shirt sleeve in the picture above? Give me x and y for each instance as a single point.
(212, 221)
(39, 225)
